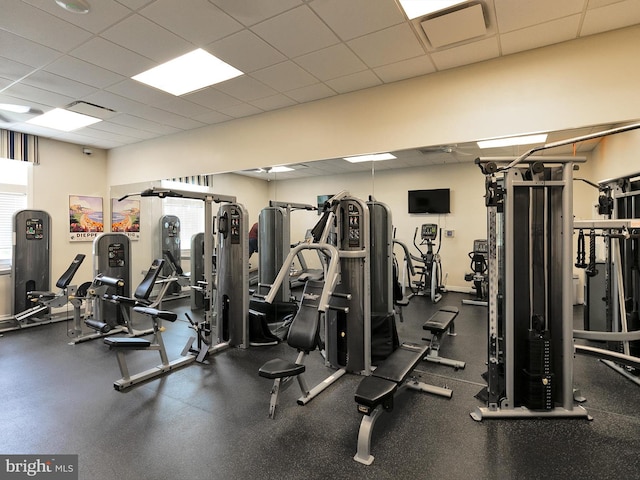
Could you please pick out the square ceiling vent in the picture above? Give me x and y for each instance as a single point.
(456, 26)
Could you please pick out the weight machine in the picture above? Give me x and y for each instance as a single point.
(428, 264)
(478, 274)
(530, 311)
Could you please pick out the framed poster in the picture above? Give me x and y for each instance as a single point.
(125, 217)
(85, 218)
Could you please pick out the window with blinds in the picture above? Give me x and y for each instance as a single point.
(13, 197)
(191, 215)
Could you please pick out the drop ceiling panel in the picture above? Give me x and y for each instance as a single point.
(25, 51)
(138, 34)
(455, 27)
(285, 76)
(540, 35)
(311, 93)
(103, 13)
(106, 54)
(246, 88)
(467, 54)
(355, 81)
(85, 72)
(369, 15)
(513, 15)
(387, 46)
(273, 103)
(252, 12)
(139, 92)
(211, 98)
(300, 23)
(39, 26)
(246, 51)
(202, 24)
(613, 16)
(413, 67)
(54, 83)
(332, 62)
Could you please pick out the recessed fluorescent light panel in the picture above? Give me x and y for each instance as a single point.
(60, 119)
(376, 157)
(11, 107)
(508, 142)
(420, 8)
(187, 73)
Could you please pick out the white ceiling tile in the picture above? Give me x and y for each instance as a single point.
(146, 38)
(540, 35)
(85, 72)
(515, 14)
(466, 54)
(144, 124)
(355, 81)
(311, 93)
(213, 117)
(211, 98)
(246, 51)
(617, 15)
(354, 18)
(273, 103)
(114, 102)
(284, 76)
(103, 13)
(387, 46)
(54, 83)
(183, 107)
(25, 51)
(39, 26)
(245, 88)
(250, 12)
(115, 58)
(12, 71)
(134, 4)
(296, 32)
(139, 92)
(43, 97)
(165, 117)
(332, 62)
(413, 67)
(241, 110)
(200, 22)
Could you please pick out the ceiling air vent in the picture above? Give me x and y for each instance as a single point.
(455, 26)
(91, 109)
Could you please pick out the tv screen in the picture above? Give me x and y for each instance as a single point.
(429, 201)
(321, 200)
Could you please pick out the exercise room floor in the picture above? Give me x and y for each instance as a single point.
(211, 421)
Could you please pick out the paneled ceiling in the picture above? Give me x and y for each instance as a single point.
(291, 51)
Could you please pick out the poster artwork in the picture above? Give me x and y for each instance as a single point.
(125, 217)
(85, 218)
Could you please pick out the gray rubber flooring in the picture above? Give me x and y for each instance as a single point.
(211, 421)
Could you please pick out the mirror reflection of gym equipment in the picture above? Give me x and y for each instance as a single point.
(478, 275)
(428, 265)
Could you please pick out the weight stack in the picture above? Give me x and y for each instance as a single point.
(538, 373)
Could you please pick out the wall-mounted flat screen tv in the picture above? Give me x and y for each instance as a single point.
(430, 201)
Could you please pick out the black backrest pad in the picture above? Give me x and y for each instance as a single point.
(400, 363)
(144, 289)
(154, 312)
(65, 279)
(304, 327)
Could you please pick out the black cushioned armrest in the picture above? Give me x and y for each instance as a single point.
(127, 342)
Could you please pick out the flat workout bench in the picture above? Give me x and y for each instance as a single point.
(375, 393)
(440, 323)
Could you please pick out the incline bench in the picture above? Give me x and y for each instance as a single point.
(440, 322)
(375, 393)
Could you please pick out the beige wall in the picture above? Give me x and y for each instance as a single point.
(588, 81)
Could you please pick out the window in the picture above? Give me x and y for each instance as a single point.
(191, 215)
(13, 197)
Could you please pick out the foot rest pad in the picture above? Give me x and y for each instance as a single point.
(373, 391)
(278, 368)
(126, 342)
(439, 321)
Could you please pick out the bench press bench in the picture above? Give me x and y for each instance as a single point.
(375, 393)
(438, 324)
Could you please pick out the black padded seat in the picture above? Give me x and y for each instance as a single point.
(278, 368)
(127, 342)
(440, 321)
(400, 363)
(373, 391)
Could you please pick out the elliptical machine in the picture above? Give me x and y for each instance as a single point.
(428, 264)
(479, 274)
